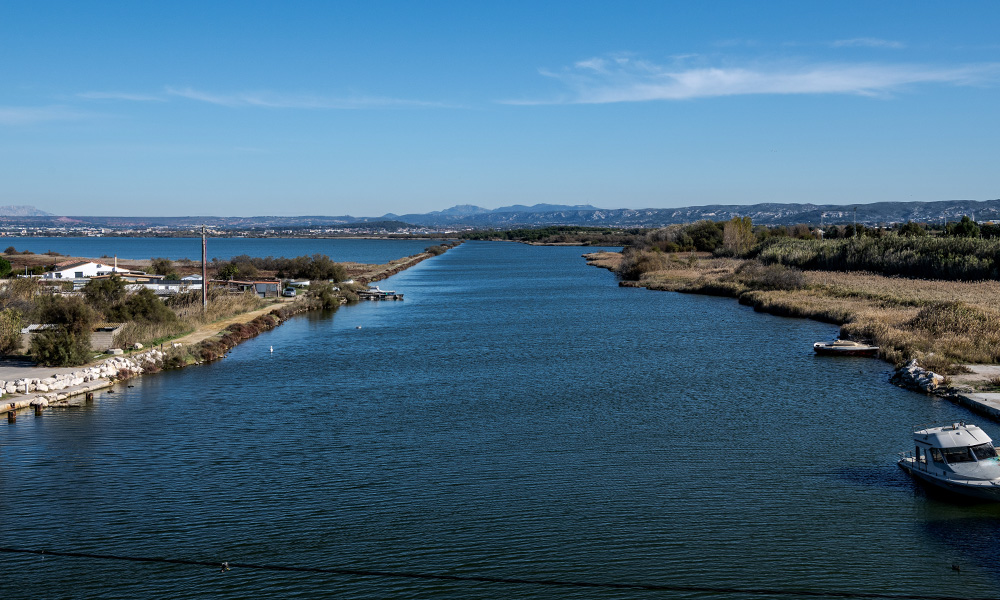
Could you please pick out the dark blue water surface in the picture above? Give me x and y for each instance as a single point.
(519, 416)
(340, 250)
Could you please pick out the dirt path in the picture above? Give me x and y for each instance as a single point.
(211, 329)
(11, 370)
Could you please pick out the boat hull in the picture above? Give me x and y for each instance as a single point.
(844, 351)
(980, 490)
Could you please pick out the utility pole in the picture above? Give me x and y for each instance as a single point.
(204, 271)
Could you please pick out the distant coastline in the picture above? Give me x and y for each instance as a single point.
(42, 387)
(458, 219)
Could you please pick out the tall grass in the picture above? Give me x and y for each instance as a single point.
(940, 323)
(953, 258)
(637, 262)
(221, 305)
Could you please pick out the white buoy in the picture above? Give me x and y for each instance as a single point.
(358, 327)
(272, 348)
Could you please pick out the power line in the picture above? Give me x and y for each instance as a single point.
(225, 566)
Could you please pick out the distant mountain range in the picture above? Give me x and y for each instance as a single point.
(22, 211)
(541, 215)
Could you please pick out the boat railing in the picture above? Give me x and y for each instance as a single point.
(917, 428)
(917, 463)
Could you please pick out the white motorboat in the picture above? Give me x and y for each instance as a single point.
(959, 458)
(845, 348)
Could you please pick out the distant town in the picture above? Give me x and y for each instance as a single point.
(30, 221)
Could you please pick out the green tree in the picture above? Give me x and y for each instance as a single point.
(143, 306)
(69, 343)
(228, 271)
(705, 236)
(5, 267)
(103, 294)
(989, 230)
(964, 228)
(59, 348)
(911, 229)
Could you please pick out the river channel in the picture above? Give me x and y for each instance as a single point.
(517, 416)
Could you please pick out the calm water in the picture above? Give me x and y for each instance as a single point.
(340, 250)
(518, 415)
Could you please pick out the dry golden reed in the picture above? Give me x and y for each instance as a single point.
(940, 323)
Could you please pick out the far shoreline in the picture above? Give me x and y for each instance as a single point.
(962, 388)
(152, 360)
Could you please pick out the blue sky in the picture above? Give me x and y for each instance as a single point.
(366, 108)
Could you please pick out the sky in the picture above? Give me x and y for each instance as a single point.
(373, 107)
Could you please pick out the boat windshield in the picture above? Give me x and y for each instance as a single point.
(957, 455)
(984, 451)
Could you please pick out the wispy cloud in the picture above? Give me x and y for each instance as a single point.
(120, 96)
(626, 79)
(28, 115)
(293, 101)
(868, 43)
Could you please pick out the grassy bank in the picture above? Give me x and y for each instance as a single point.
(71, 316)
(940, 323)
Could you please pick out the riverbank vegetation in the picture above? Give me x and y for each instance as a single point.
(559, 235)
(935, 298)
(68, 317)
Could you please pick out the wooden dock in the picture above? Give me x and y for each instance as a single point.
(378, 294)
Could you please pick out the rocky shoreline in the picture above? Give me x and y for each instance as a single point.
(60, 388)
(57, 389)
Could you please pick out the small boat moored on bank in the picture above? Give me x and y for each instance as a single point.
(959, 458)
(845, 348)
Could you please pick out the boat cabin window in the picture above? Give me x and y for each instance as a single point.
(984, 451)
(936, 455)
(957, 455)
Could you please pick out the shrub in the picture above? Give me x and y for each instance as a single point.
(755, 275)
(635, 263)
(228, 271)
(737, 236)
(142, 306)
(706, 236)
(60, 347)
(71, 312)
(911, 229)
(103, 294)
(20, 293)
(11, 322)
(164, 266)
(964, 228)
(958, 258)
(325, 295)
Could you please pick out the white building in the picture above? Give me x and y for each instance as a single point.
(79, 270)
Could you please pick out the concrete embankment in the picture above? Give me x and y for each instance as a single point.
(987, 404)
(918, 379)
(57, 389)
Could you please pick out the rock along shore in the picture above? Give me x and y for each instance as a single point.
(911, 376)
(60, 387)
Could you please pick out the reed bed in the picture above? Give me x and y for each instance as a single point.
(943, 324)
(953, 258)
